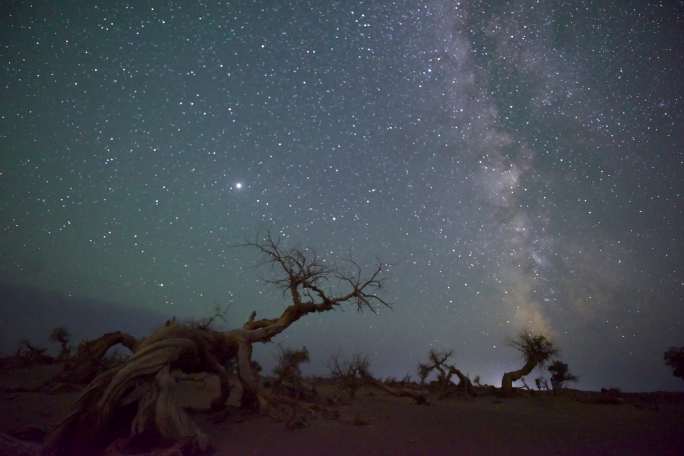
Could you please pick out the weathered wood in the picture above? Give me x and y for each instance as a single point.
(536, 349)
(110, 392)
(510, 377)
(143, 386)
(158, 412)
(88, 361)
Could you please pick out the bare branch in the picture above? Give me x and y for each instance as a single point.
(307, 279)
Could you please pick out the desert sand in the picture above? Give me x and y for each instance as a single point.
(376, 423)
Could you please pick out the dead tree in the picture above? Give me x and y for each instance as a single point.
(437, 363)
(560, 374)
(89, 359)
(350, 374)
(536, 350)
(464, 383)
(288, 374)
(542, 384)
(78, 370)
(674, 358)
(355, 373)
(61, 336)
(29, 354)
(140, 387)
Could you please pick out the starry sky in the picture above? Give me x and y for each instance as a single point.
(519, 164)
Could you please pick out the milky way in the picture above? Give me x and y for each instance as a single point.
(519, 165)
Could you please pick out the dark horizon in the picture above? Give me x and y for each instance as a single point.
(519, 165)
(56, 309)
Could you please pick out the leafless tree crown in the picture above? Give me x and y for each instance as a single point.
(307, 278)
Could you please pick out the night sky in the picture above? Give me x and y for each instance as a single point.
(519, 164)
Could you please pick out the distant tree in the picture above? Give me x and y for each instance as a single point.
(355, 373)
(288, 374)
(437, 363)
(536, 350)
(674, 357)
(541, 383)
(61, 336)
(351, 374)
(29, 354)
(560, 374)
(289, 361)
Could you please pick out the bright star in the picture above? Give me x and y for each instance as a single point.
(238, 186)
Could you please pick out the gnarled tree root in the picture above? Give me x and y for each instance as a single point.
(139, 392)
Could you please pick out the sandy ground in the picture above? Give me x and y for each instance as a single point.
(377, 424)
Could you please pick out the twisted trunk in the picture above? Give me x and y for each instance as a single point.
(144, 382)
(98, 347)
(65, 350)
(142, 387)
(159, 413)
(89, 360)
(463, 381)
(248, 378)
(444, 380)
(265, 329)
(140, 392)
(510, 377)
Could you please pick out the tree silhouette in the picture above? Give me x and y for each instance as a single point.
(288, 374)
(89, 359)
(351, 374)
(28, 354)
(674, 357)
(437, 362)
(61, 336)
(536, 350)
(560, 374)
(147, 376)
(355, 373)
